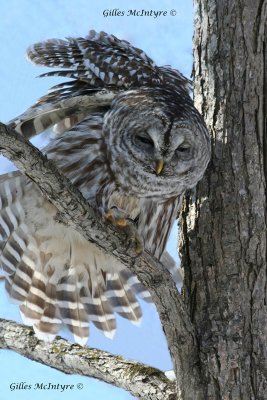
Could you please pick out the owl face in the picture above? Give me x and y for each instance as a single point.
(154, 150)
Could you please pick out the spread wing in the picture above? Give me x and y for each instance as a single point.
(100, 65)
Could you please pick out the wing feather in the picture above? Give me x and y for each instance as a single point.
(155, 222)
(54, 274)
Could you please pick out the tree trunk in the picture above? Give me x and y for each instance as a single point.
(223, 226)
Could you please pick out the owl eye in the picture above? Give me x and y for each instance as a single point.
(183, 152)
(183, 148)
(144, 141)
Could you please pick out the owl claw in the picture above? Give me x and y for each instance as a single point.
(116, 217)
(119, 219)
(135, 241)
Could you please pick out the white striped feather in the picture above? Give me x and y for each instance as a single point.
(123, 299)
(54, 273)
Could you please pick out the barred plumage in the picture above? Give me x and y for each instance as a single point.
(126, 133)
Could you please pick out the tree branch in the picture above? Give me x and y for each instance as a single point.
(140, 380)
(76, 212)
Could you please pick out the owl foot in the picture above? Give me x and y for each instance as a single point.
(116, 217)
(119, 219)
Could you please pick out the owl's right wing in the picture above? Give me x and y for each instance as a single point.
(53, 273)
(61, 114)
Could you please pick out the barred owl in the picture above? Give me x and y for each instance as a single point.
(127, 134)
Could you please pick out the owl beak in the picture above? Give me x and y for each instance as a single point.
(159, 166)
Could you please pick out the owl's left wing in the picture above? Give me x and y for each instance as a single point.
(155, 222)
(100, 66)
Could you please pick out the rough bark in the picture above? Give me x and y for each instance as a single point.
(75, 210)
(140, 380)
(219, 350)
(223, 226)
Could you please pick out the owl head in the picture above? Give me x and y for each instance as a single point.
(157, 141)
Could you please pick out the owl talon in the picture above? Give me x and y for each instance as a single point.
(119, 219)
(116, 217)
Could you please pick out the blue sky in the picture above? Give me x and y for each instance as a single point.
(166, 39)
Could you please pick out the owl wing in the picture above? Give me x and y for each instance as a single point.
(155, 222)
(99, 60)
(101, 66)
(55, 276)
(62, 114)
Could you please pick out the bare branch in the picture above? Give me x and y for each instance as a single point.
(140, 380)
(75, 211)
